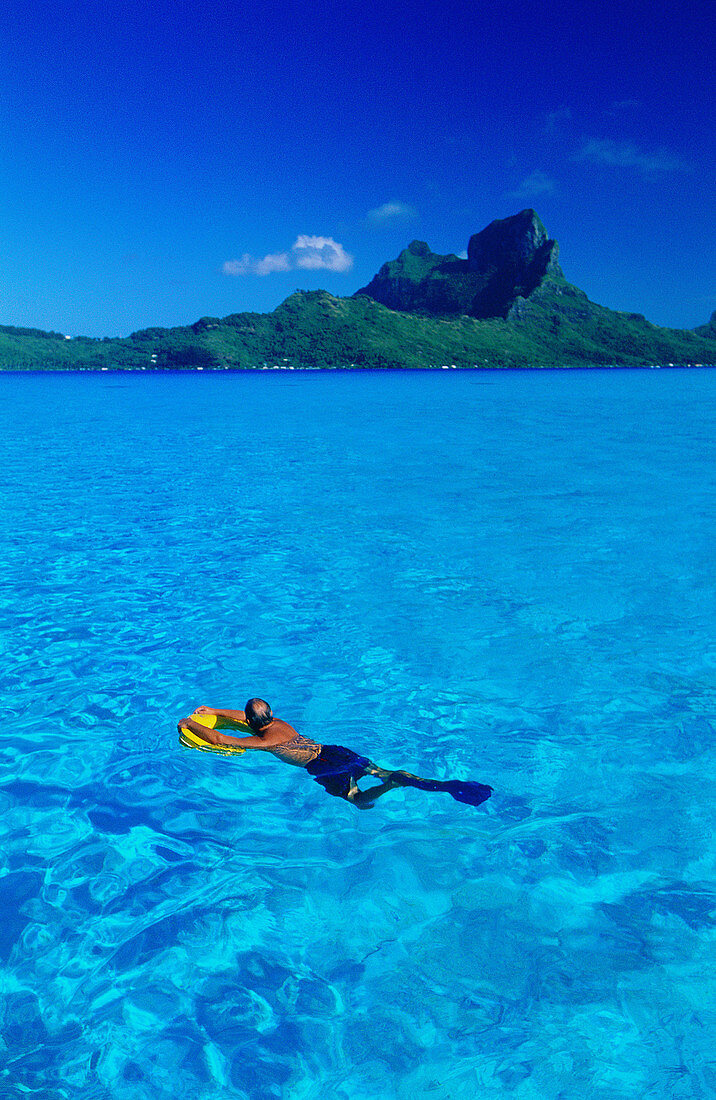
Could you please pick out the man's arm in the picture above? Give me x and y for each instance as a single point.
(218, 737)
(221, 712)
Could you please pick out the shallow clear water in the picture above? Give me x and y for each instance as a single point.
(505, 577)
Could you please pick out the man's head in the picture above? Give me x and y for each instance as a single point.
(258, 714)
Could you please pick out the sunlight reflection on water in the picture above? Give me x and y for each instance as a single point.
(511, 582)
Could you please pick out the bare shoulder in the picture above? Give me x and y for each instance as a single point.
(279, 732)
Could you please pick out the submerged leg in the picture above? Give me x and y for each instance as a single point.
(461, 790)
(364, 800)
(344, 782)
(397, 778)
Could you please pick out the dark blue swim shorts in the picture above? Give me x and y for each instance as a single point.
(334, 767)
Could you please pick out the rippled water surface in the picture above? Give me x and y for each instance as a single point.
(504, 577)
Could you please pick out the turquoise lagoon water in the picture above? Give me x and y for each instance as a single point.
(506, 577)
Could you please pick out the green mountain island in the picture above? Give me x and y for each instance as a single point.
(507, 304)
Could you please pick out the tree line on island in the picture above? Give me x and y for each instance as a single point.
(507, 305)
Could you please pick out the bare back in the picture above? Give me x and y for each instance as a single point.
(288, 744)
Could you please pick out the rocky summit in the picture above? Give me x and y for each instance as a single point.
(506, 304)
(507, 260)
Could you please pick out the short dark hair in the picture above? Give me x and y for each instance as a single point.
(258, 714)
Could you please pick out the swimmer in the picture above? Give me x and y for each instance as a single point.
(336, 768)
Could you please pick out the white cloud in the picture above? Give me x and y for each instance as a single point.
(622, 154)
(390, 212)
(249, 265)
(236, 267)
(623, 105)
(314, 253)
(553, 120)
(532, 186)
(308, 253)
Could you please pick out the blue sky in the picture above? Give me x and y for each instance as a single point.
(166, 160)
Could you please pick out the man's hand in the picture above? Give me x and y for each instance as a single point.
(204, 710)
(212, 736)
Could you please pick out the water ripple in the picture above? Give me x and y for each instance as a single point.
(527, 601)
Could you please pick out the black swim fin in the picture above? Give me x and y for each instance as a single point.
(462, 790)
